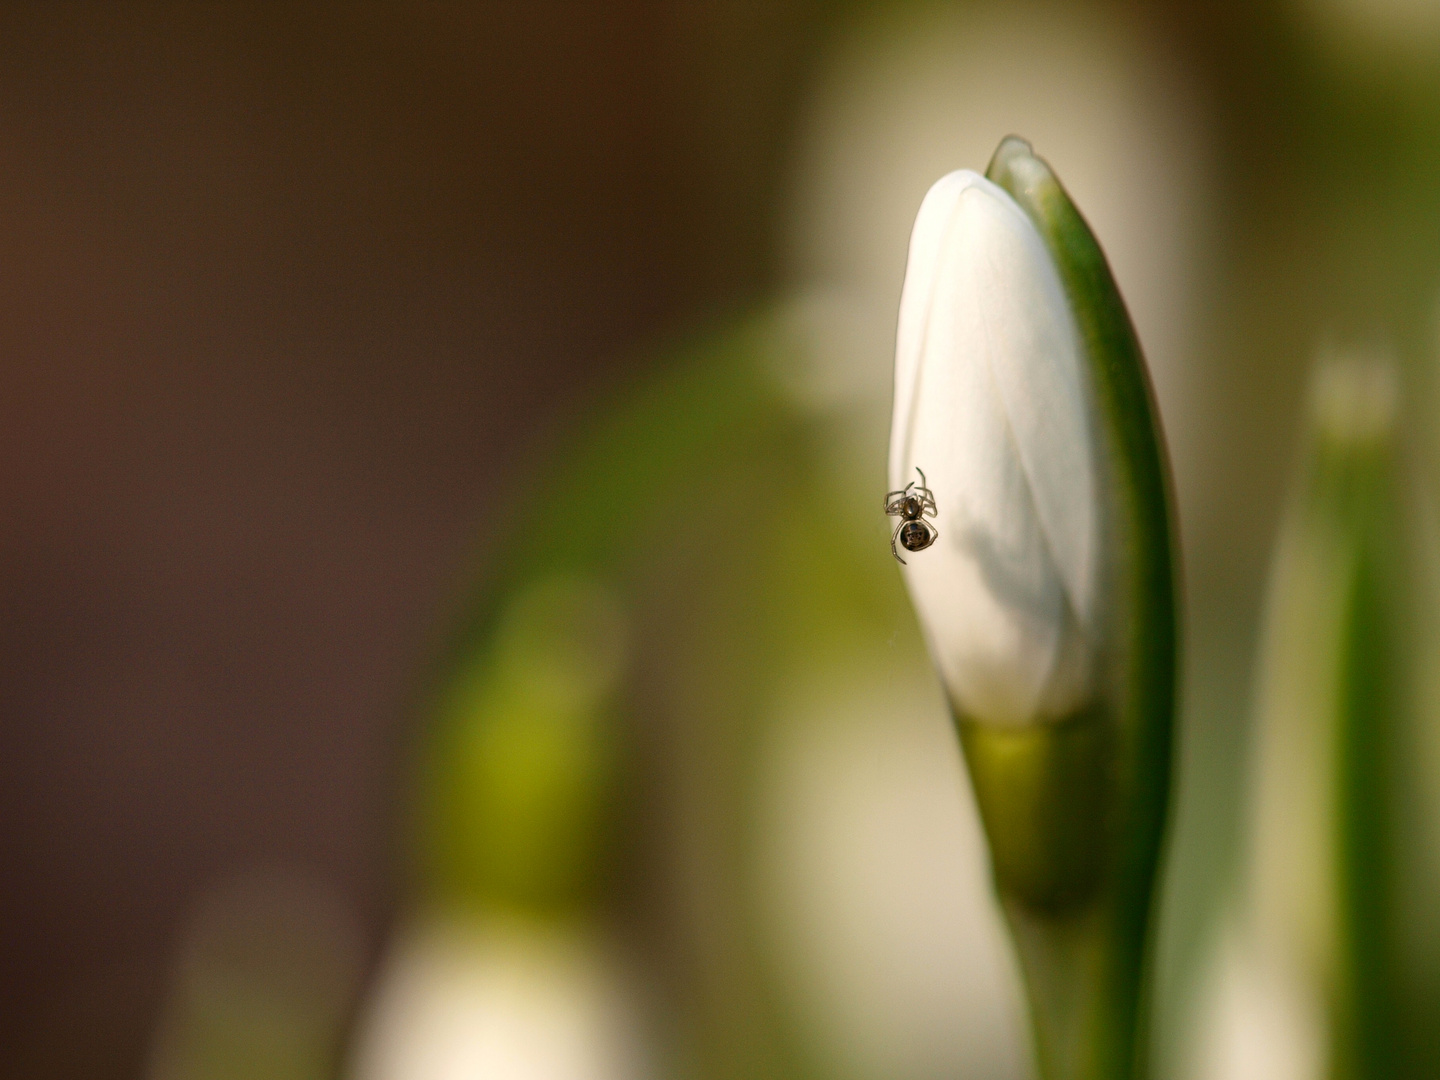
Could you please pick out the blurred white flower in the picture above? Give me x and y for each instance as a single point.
(498, 1000)
(991, 403)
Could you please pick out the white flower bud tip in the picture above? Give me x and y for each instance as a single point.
(991, 402)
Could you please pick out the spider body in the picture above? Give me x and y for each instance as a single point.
(914, 505)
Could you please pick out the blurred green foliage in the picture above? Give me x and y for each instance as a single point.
(674, 565)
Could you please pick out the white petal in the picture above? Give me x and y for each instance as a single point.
(1039, 378)
(990, 404)
(931, 228)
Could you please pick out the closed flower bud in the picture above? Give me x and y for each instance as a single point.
(1038, 558)
(991, 406)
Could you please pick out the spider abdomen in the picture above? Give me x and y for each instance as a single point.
(916, 536)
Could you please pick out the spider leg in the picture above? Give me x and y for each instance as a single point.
(893, 507)
(893, 537)
(923, 490)
(890, 495)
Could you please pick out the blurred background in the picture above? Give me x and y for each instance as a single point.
(339, 348)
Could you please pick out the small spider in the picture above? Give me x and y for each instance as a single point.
(912, 505)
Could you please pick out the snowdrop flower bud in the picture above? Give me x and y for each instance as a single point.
(1047, 598)
(991, 406)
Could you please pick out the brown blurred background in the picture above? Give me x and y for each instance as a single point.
(291, 294)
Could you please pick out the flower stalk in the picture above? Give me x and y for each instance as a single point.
(1340, 889)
